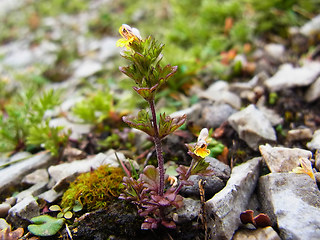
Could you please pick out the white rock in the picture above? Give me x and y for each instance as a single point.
(18, 59)
(50, 195)
(281, 159)
(87, 69)
(292, 202)
(23, 211)
(299, 134)
(223, 210)
(38, 176)
(13, 174)
(218, 92)
(108, 48)
(275, 50)
(315, 142)
(77, 130)
(252, 126)
(312, 27)
(313, 92)
(69, 171)
(289, 77)
(33, 191)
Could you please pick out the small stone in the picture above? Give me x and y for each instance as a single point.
(315, 142)
(292, 201)
(213, 116)
(317, 160)
(218, 93)
(313, 92)
(224, 208)
(274, 50)
(11, 200)
(289, 77)
(312, 27)
(267, 233)
(281, 159)
(21, 213)
(4, 224)
(50, 196)
(40, 175)
(252, 126)
(33, 191)
(4, 208)
(299, 134)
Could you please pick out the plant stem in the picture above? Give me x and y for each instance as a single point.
(158, 146)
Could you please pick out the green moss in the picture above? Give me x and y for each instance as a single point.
(95, 190)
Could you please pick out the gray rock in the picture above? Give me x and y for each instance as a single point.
(21, 213)
(289, 77)
(213, 116)
(312, 27)
(313, 92)
(223, 210)
(87, 69)
(20, 156)
(252, 126)
(38, 176)
(219, 169)
(50, 195)
(281, 159)
(212, 185)
(189, 211)
(4, 208)
(66, 172)
(267, 233)
(33, 191)
(12, 175)
(315, 142)
(299, 134)
(292, 201)
(219, 93)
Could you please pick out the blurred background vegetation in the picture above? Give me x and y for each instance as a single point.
(201, 37)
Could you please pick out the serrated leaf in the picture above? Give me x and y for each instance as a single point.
(141, 122)
(168, 125)
(45, 225)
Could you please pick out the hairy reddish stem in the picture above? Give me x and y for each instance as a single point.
(158, 146)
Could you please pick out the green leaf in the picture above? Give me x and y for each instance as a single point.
(77, 206)
(55, 208)
(68, 215)
(151, 177)
(168, 125)
(141, 122)
(45, 225)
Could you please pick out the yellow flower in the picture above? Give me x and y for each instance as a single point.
(200, 148)
(128, 36)
(305, 168)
